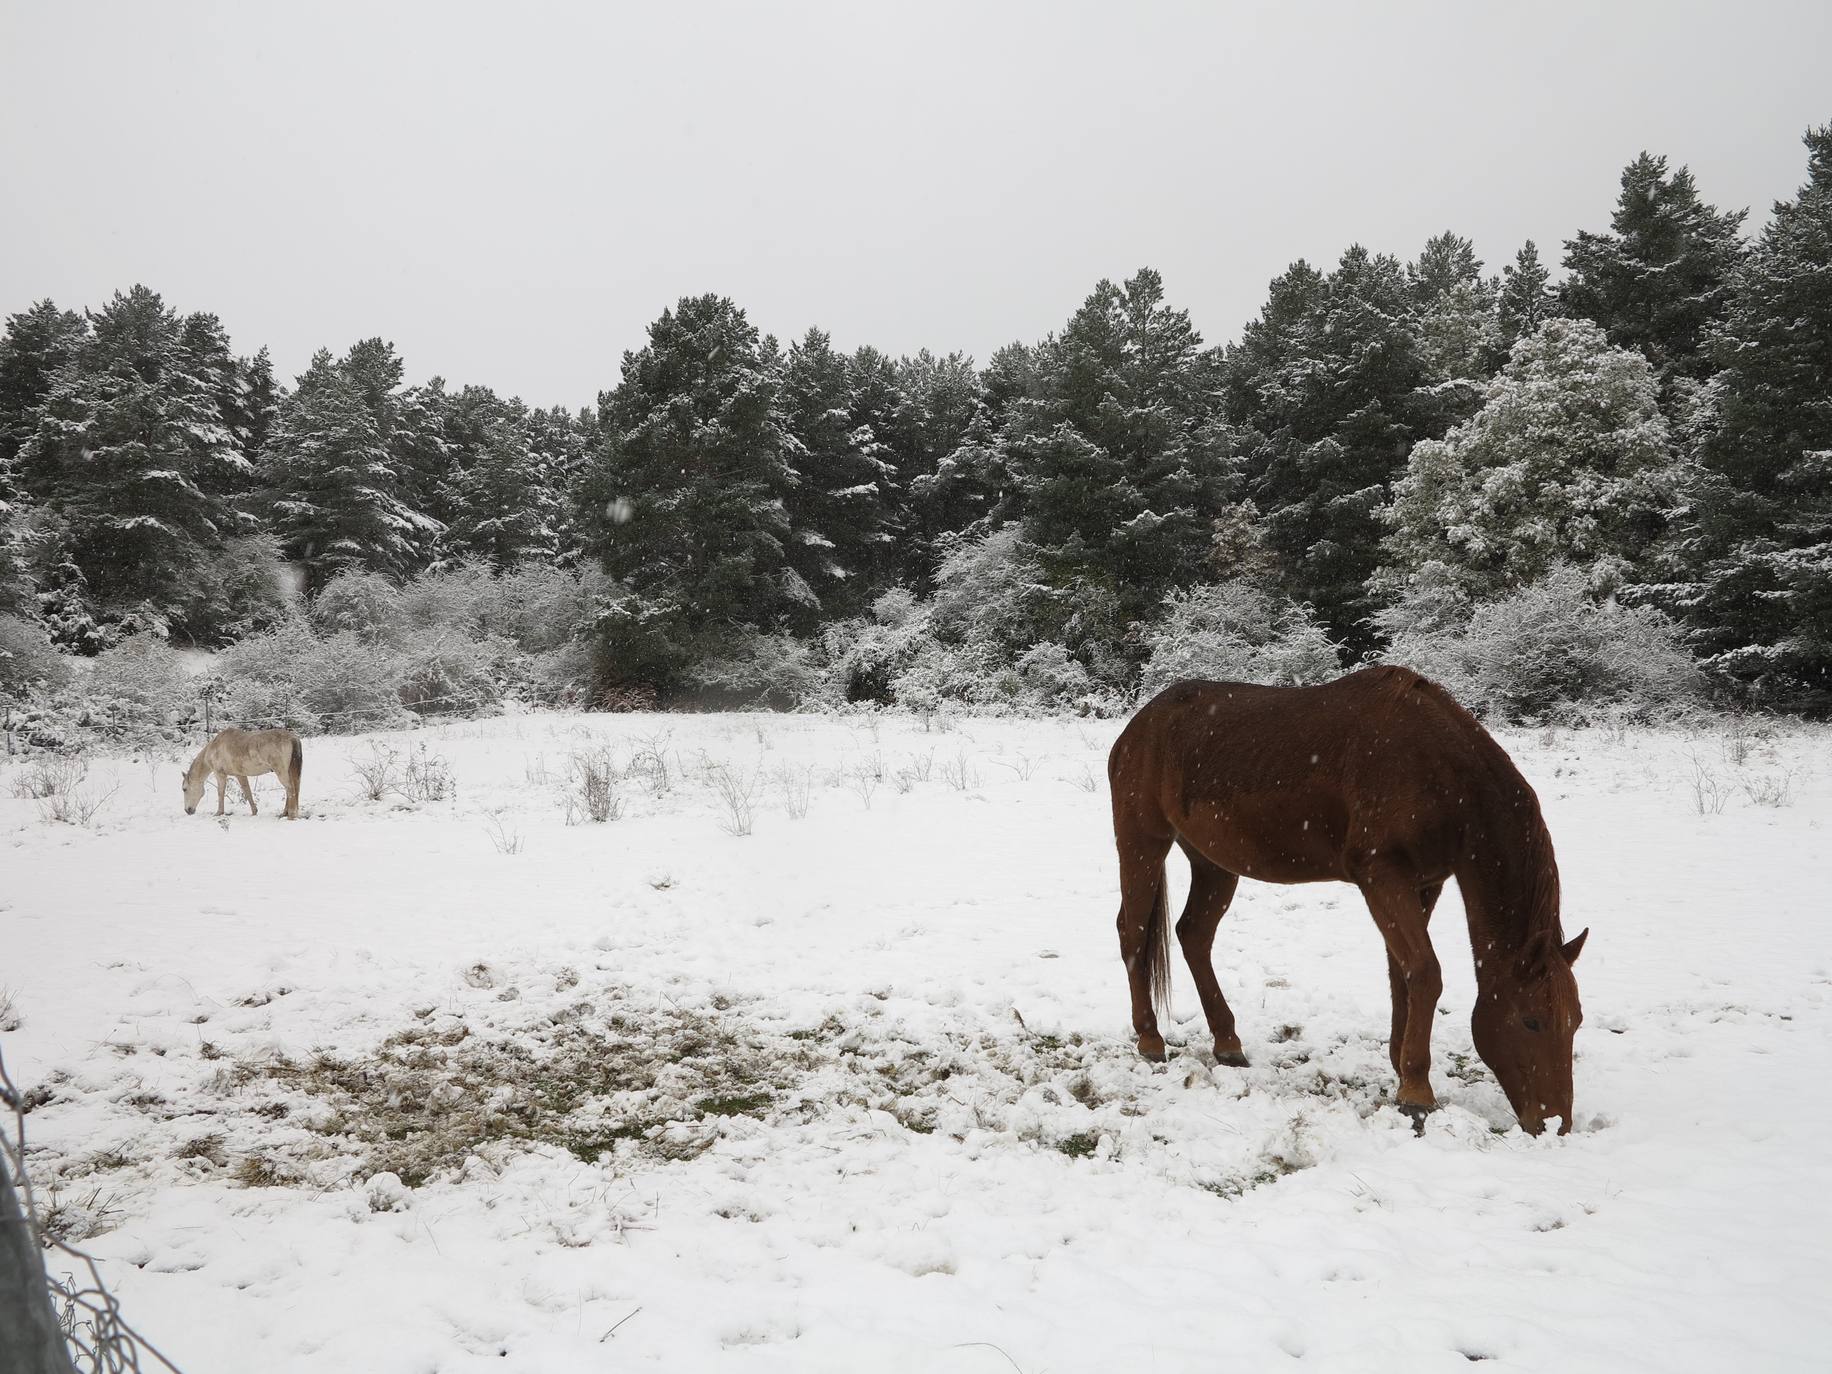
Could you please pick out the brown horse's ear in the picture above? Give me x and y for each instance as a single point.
(1573, 948)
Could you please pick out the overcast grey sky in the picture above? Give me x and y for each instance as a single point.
(511, 192)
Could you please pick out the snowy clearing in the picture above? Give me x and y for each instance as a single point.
(439, 1081)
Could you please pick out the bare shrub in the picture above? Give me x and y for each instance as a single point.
(863, 782)
(797, 784)
(1771, 789)
(502, 838)
(11, 1019)
(56, 785)
(1085, 779)
(960, 774)
(379, 772)
(427, 777)
(1024, 767)
(735, 790)
(650, 761)
(1710, 793)
(592, 786)
(47, 776)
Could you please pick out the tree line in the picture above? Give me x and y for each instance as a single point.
(1394, 456)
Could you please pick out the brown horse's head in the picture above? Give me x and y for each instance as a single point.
(1523, 1027)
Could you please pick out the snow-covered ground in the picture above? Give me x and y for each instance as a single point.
(379, 1090)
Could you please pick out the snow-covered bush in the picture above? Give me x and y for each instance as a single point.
(444, 674)
(766, 670)
(454, 600)
(540, 606)
(351, 684)
(27, 661)
(1234, 632)
(865, 656)
(362, 603)
(292, 677)
(1569, 458)
(992, 590)
(1555, 651)
(141, 683)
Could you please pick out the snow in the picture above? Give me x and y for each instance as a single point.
(869, 1096)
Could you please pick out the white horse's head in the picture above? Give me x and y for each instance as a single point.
(194, 779)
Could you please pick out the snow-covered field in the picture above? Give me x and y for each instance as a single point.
(453, 1084)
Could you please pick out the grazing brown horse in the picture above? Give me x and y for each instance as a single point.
(1378, 779)
(240, 754)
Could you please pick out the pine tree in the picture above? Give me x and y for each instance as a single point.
(1118, 448)
(1459, 334)
(1527, 299)
(840, 506)
(1328, 389)
(1760, 536)
(949, 466)
(1660, 281)
(132, 453)
(38, 344)
(254, 405)
(510, 493)
(334, 489)
(686, 498)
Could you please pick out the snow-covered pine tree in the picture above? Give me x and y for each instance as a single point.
(1660, 280)
(840, 508)
(510, 496)
(132, 453)
(686, 496)
(1526, 299)
(1459, 334)
(254, 405)
(1326, 388)
(38, 343)
(948, 463)
(1118, 447)
(333, 487)
(1759, 533)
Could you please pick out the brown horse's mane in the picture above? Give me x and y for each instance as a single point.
(1520, 846)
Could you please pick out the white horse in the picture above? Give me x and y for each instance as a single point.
(240, 754)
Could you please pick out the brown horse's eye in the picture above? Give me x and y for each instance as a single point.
(1530, 1022)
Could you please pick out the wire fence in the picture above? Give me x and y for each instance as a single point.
(97, 1338)
(209, 717)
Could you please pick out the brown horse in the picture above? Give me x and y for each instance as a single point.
(241, 754)
(1378, 779)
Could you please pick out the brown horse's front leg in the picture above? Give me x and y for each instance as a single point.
(1396, 901)
(1396, 982)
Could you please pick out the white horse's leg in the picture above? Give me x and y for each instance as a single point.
(248, 792)
(222, 781)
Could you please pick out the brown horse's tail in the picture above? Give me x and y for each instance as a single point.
(1157, 947)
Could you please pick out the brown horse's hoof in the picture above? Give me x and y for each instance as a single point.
(1154, 1053)
(1232, 1059)
(1417, 1114)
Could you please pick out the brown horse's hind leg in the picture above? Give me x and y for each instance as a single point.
(1396, 982)
(1395, 898)
(248, 792)
(1211, 889)
(1143, 921)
